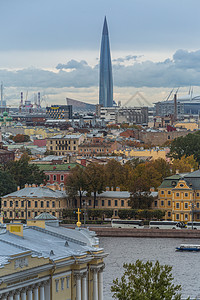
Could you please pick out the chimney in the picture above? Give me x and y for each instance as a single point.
(192, 170)
(177, 171)
(33, 185)
(112, 189)
(41, 185)
(107, 189)
(26, 185)
(117, 189)
(18, 188)
(152, 189)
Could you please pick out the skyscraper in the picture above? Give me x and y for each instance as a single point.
(106, 80)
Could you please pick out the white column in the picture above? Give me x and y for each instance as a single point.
(101, 284)
(84, 287)
(47, 291)
(42, 293)
(35, 293)
(95, 285)
(78, 287)
(10, 297)
(29, 294)
(17, 296)
(23, 294)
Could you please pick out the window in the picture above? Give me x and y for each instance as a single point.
(29, 214)
(169, 192)
(5, 214)
(197, 204)
(48, 177)
(54, 177)
(169, 203)
(177, 194)
(62, 284)
(162, 203)
(35, 213)
(186, 216)
(122, 203)
(62, 177)
(169, 214)
(16, 204)
(10, 214)
(109, 202)
(53, 213)
(155, 203)
(186, 205)
(29, 203)
(197, 194)
(5, 203)
(186, 194)
(162, 192)
(47, 203)
(53, 203)
(116, 203)
(67, 282)
(57, 285)
(11, 203)
(198, 216)
(102, 202)
(177, 205)
(36, 204)
(42, 203)
(22, 203)
(74, 147)
(177, 216)
(22, 214)
(69, 148)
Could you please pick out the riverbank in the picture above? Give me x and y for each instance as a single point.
(146, 232)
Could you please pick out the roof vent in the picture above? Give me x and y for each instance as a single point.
(66, 244)
(51, 253)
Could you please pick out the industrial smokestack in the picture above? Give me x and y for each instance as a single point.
(175, 107)
(21, 102)
(39, 100)
(2, 94)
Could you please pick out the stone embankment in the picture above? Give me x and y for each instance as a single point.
(146, 232)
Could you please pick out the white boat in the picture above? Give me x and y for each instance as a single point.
(185, 247)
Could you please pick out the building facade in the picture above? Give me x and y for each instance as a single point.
(106, 79)
(179, 197)
(50, 263)
(31, 201)
(59, 111)
(64, 144)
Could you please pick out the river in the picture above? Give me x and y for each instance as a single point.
(186, 265)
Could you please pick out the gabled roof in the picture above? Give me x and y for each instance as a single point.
(37, 192)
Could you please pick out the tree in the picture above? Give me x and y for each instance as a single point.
(95, 179)
(7, 183)
(145, 281)
(162, 167)
(114, 174)
(76, 183)
(187, 145)
(184, 164)
(21, 138)
(23, 172)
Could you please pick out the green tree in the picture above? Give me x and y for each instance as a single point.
(7, 183)
(95, 178)
(145, 281)
(114, 174)
(187, 145)
(162, 167)
(76, 183)
(23, 172)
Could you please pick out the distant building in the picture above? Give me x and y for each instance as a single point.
(64, 144)
(106, 79)
(80, 106)
(59, 111)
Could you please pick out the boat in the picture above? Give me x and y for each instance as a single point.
(185, 247)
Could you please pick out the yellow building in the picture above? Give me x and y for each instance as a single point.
(50, 264)
(179, 197)
(31, 201)
(187, 125)
(64, 144)
(151, 153)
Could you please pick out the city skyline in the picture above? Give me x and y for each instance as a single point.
(53, 47)
(105, 74)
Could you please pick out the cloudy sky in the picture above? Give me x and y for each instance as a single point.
(52, 46)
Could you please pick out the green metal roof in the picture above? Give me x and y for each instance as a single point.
(171, 181)
(45, 216)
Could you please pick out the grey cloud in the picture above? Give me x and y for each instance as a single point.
(72, 64)
(126, 58)
(182, 70)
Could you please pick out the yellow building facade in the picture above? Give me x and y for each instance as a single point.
(179, 197)
(151, 153)
(50, 264)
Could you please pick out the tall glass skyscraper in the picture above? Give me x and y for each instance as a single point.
(106, 80)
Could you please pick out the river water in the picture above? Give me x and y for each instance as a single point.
(186, 265)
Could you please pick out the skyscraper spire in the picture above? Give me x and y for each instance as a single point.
(106, 80)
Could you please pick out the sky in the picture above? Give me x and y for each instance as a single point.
(52, 46)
